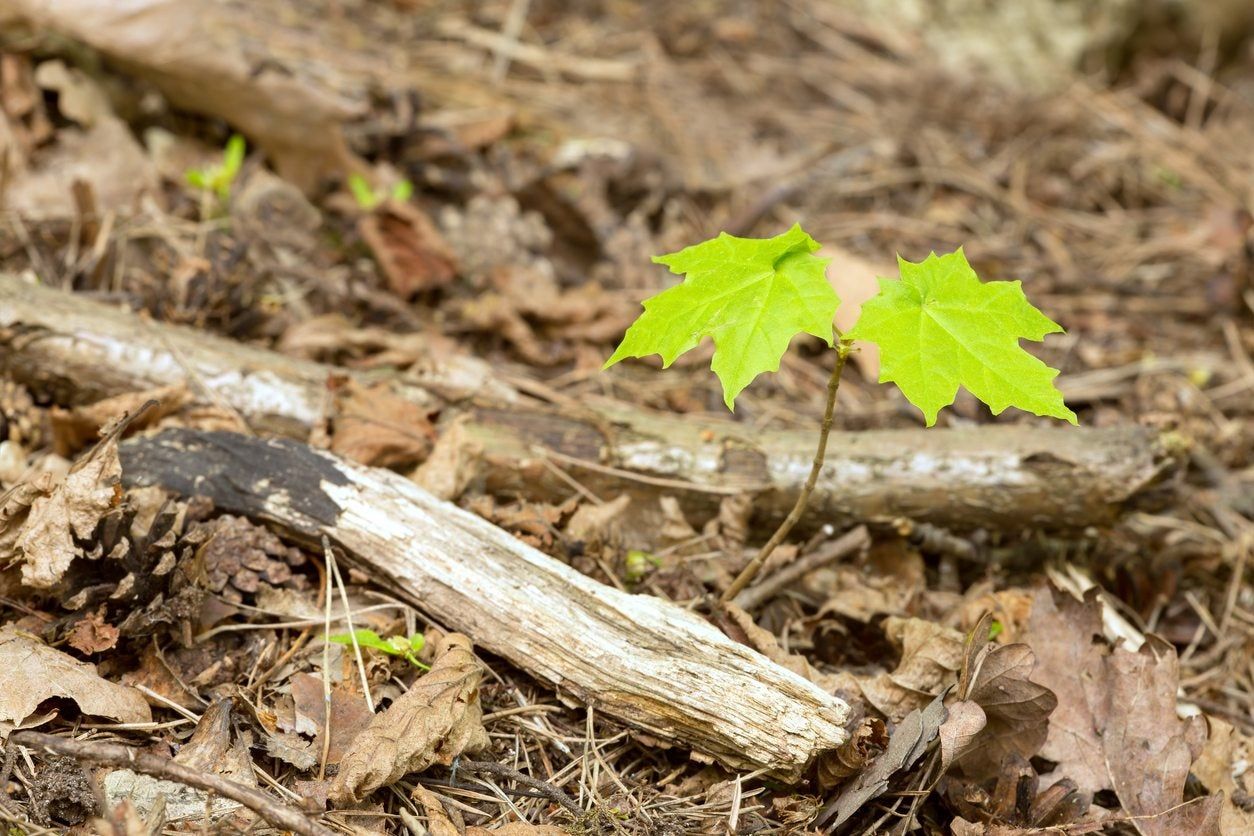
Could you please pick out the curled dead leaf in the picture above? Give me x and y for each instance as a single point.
(59, 515)
(92, 634)
(35, 672)
(438, 719)
(452, 463)
(960, 730)
(865, 743)
(931, 656)
(909, 741)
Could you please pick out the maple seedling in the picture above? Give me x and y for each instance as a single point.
(370, 198)
(409, 648)
(938, 327)
(219, 177)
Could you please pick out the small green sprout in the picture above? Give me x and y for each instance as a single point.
(393, 645)
(369, 198)
(639, 564)
(218, 178)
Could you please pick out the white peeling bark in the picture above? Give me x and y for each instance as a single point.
(637, 658)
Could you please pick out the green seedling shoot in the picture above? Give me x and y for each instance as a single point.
(369, 198)
(938, 327)
(409, 647)
(219, 178)
(639, 564)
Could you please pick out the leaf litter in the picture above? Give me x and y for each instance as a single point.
(520, 253)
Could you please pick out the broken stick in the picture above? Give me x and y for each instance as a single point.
(643, 660)
(78, 350)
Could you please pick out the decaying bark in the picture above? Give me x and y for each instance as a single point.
(643, 660)
(1003, 476)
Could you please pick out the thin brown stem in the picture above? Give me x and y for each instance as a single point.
(112, 754)
(746, 576)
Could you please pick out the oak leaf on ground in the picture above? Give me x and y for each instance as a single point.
(1116, 716)
(436, 720)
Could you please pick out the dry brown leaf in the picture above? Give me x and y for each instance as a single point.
(74, 428)
(909, 741)
(439, 718)
(124, 820)
(207, 58)
(740, 626)
(594, 524)
(292, 748)
(72, 509)
(35, 672)
(1116, 714)
(1009, 608)
(102, 153)
(349, 715)
(213, 749)
(1017, 709)
(865, 743)
(1067, 638)
(411, 252)
(375, 426)
(15, 505)
(931, 656)
(439, 823)
(452, 463)
(884, 583)
(91, 634)
(1013, 710)
(529, 308)
(960, 730)
(1226, 754)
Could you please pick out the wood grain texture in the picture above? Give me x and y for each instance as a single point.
(1004, 476)
(637, 658)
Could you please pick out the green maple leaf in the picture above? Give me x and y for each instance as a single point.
(940, 327)
(751, 295)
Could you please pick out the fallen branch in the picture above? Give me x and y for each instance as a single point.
(1001, 476)
(638, 658)
(113, 754)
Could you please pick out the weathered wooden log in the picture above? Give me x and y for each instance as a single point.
(638, 658)
(1016, 476)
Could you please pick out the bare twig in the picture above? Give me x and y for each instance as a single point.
(849, 543)
(544, 788)
(112, 754)
(843, 348)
